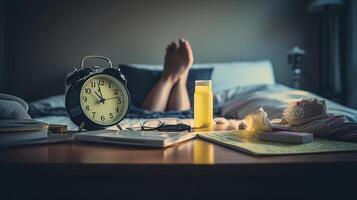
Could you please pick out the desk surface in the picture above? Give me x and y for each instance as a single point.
(196, 151)
(206, 170)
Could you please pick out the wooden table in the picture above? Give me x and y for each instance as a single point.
(192, 169)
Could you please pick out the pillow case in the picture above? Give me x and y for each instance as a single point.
(227, 75)
(140, 81)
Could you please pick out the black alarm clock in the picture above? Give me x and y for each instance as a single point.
(96, 100)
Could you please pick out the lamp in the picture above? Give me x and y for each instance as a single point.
(295, 56)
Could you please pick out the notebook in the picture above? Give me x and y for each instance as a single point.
(256, 147)
(139, 138)
(13, 131)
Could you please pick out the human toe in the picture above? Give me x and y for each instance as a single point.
(172, 47)
(185, 49)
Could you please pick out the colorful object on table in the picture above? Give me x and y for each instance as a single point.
(203, 105)
(96, 100)
(57, 128)
(254, 123)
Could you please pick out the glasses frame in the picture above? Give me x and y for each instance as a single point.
(162, 126)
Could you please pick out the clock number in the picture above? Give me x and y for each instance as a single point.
(110, 84)
(119, 100)
(111, 115)
(101, 82)
(93, 113)
(115, 91)
(117, 109)
(88, 90)
(84, 98)
(102, 118)
(93, 84)
(87, 108)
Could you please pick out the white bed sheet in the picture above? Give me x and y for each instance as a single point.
(240, 101)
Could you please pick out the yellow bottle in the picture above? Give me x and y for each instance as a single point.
(203, 106)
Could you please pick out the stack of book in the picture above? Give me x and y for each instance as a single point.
(18, 131)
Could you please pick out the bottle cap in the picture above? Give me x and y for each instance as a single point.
(203, 83)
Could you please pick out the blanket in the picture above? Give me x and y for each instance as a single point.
(234, 103)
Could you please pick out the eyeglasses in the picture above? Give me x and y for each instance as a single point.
(162, 125)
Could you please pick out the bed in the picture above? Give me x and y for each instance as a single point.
(239, 89)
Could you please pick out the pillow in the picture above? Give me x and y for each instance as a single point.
(232, 74)
(12, 110)
(140, 81)
(54, 105)
(12, 107)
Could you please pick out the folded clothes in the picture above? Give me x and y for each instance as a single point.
(310, 115)
(328, 126)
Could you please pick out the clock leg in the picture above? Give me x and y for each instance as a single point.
(81, 126)
(119, 127)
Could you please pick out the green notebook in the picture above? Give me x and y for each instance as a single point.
(257, 147)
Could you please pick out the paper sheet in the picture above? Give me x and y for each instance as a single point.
(256, 147)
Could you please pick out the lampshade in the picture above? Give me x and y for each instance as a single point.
(318, 5)
(297, 51)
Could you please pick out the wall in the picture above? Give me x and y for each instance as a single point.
(2, 46)
(46, 38)
(352, 58)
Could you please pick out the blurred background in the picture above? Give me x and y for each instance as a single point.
(42, 40)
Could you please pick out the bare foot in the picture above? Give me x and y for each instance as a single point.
(178, 60)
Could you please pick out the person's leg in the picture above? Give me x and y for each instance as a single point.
(179, 99)
(158, 96)
(174, 67)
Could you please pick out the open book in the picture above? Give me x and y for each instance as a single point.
(256, 147)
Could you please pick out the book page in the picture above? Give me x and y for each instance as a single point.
(254, 146)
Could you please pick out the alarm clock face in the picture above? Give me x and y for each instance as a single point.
(104, 99)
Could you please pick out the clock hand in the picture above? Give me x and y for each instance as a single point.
(99, 101)
(101, 98)
(100, 91)
(98, 95)
(111, 98)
